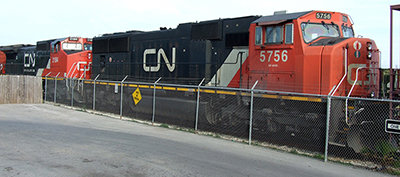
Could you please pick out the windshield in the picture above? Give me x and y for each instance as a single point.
(312, 31)
(347, 31)
(87, 46)
(72, 46)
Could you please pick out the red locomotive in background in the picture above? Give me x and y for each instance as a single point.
(70, 57)
(64, 57)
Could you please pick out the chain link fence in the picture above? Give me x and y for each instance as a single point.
(356, 127)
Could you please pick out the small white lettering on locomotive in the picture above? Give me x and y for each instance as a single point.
(54, 60)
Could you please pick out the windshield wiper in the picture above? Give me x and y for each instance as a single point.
(304, 27)
(335, 26)
(325, 25)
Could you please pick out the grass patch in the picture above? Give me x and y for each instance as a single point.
(319, 156)
(164, 126)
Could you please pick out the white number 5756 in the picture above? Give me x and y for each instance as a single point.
(275, 54)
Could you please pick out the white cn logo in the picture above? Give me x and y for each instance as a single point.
(170, 66)
(29, 59)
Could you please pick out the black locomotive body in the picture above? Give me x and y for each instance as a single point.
(16, 56)
(27, 59)
(184, 55)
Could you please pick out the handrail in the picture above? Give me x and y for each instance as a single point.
(355, 81)
(83, 75)
(84, 71)
(67, 76)
(345, 72)
(351, 90)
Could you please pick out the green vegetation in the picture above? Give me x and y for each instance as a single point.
(164, 126)
(384, 154)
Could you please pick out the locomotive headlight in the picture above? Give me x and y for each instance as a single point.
(372, 94)
(369, 55)
(369, 46)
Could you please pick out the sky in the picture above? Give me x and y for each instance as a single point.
(27, 21)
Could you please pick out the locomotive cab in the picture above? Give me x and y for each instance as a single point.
(315, 52)
(312, 52)
(70, 58)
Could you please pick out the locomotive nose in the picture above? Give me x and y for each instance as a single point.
(363, 68)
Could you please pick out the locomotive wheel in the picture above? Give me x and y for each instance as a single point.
(272, 126)
(232, 120)
(212, 118)
(213, 115)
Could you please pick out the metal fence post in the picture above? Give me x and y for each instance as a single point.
(94, 92)
(251, 111)
(72, 92)
(328, 114)
(55, 89)
(154, 101)
(45, 87)
(122, 94)
(198, 105)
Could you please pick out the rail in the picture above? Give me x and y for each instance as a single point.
(351, 90)
(345, 73)
(72, 71)
(67, 76)
(83, 75)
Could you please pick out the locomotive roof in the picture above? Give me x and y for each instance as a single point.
(58, 40)
(281, 17)
(15, 48)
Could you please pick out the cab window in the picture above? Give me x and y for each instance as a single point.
(312, 31)
(72, 46)
(273, 34)
(258, 35)
(87, 46)
(347, 31)
(56, 47)
(289, 34)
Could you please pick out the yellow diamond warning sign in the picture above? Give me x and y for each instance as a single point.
(136, 96)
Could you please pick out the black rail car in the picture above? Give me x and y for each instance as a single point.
(15, 57)
(42, 59)
(184, 55)
(27, 59)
